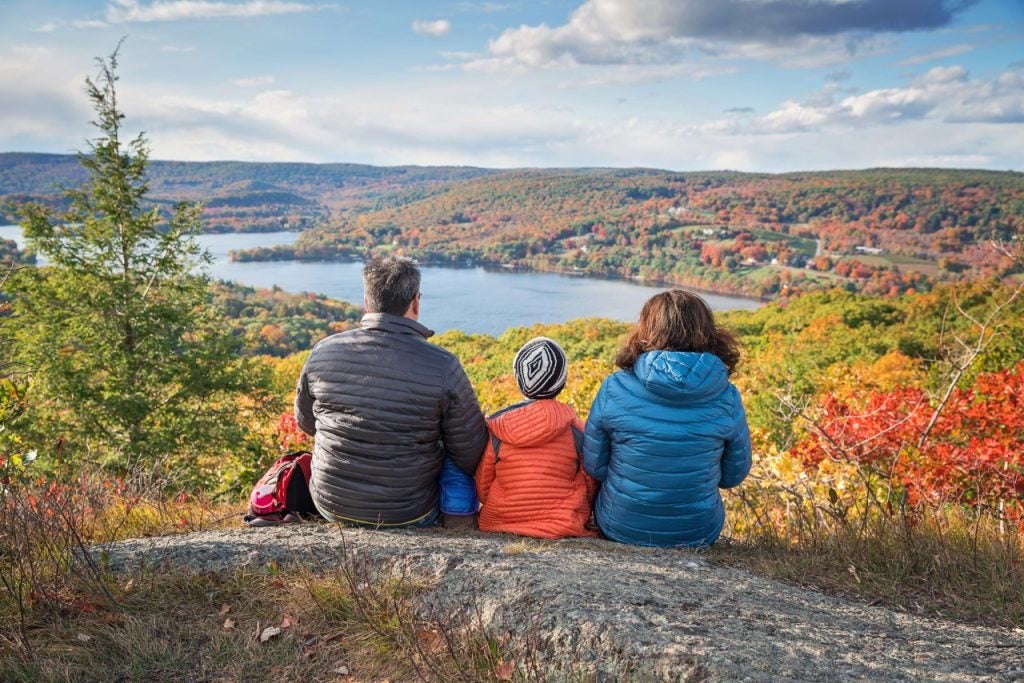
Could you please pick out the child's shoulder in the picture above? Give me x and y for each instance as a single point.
(509, 409)
(565, 410)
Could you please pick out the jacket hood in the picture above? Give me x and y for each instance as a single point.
(682, 376)
(531, 423)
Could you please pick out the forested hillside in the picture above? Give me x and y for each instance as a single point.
(882, 231)
(274, 322)
(238, 196)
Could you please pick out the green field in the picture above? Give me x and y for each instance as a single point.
(904, 263)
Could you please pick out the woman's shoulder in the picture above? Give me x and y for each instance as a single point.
(618, 380)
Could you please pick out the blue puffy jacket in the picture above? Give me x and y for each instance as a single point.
(663, 438)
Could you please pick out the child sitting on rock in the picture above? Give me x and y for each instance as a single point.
(530, 480)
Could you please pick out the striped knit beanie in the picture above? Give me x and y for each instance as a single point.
(540, 368)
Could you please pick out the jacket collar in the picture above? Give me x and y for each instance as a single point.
(399, 324)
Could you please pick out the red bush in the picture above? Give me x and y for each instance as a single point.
(974, 453)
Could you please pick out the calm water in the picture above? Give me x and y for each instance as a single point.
(468, 299)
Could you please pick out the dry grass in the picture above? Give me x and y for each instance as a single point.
(352, 624)
(950, 563)
(63, 618)
(528, 545)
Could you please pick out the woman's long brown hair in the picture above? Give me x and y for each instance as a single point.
(678, 320)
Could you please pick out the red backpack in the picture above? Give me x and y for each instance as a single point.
(282, 494)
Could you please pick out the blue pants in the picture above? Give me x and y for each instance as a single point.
(458, 490)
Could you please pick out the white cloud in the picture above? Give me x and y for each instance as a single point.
(630, 75)
(88, 23)
(791, 32)
(483, 6)
(178, 48)
(380, 126)
(43, 100)
(49, 27)
(942, 94)
(942, 53)
(126, 11)
(437, 28)
(254, 81)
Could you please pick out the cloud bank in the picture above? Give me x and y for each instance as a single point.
(607, 32)
(942, 94)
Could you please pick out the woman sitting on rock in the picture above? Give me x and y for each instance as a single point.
(668, 430)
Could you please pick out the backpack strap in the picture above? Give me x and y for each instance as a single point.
(577, 440)
(496, 445)
(495, 441)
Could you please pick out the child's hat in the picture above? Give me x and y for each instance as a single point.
(540, 368)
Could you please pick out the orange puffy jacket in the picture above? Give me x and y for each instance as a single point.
(536, 485)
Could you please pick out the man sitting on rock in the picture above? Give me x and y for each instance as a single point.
(386, 407)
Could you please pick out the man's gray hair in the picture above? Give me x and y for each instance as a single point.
(390, 283)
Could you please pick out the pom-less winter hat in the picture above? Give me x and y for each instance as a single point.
(540, 368)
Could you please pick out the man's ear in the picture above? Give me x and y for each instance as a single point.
(414, 308)
(366, 306)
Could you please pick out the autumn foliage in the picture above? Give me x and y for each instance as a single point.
(290, 437)
(972, 451)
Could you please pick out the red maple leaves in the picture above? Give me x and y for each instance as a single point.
(970, 450)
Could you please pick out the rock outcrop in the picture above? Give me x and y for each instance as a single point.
(620, 611)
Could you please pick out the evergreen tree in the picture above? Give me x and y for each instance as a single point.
(130, 363)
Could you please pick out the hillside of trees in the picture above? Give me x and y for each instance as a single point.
(237, 196)
(881, 231)
(274, 322)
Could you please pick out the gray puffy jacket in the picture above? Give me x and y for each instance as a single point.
(385, 407)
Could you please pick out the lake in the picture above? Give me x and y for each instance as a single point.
(474, 300)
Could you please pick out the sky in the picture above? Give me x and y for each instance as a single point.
(748, 85)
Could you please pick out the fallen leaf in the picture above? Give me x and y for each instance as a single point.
(229, 624)
(343, 670)
(111, 618)
(277, 583)
(429, 639)
(504, 671)
(287, 622)
(129, 585)
(224, 609)
(85, 606)
(268, 633)
(84, 638)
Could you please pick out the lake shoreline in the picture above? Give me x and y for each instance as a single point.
(476, 297)
(512, 268)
